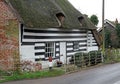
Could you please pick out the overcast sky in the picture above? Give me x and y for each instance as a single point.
(90, 7)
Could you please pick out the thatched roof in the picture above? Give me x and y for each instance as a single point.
(42, 13)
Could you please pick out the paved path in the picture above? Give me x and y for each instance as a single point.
(107, 74)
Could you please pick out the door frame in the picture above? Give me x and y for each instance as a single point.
(63, 56)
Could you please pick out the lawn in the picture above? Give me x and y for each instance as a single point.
(32, 75)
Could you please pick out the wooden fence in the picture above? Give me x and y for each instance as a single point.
(82, 60)
(76, 62)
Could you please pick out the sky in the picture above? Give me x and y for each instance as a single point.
(91, 7)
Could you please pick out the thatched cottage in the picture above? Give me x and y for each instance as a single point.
(37, 29)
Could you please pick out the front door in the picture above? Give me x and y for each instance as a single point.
(63, 52)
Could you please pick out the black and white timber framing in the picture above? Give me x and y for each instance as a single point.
(37, 38)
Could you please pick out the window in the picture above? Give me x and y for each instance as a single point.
(76, 46)
(90, 40)
(60, 17)
(81, 20)
(49, 49)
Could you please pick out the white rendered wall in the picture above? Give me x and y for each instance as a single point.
(93, 48)
(27, 53)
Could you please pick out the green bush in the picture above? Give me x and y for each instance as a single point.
(86, 59)
(95, 57)
(112, 56)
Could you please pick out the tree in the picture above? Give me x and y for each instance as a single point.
(107, 39)
(94, 20)
(118, 32)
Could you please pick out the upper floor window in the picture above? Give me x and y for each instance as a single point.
(81, 18)
(60, 18)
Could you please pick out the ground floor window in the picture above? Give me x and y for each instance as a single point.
(76, 46)
(49, 49)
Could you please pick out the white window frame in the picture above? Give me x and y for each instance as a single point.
(50, 49)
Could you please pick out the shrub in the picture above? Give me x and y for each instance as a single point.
(30, 66)
(85, 59)
(95, 57)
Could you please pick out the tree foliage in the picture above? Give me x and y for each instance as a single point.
(118, 32)
(94, 19)
(107, 39)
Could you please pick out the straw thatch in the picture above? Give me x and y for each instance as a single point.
(42, 13)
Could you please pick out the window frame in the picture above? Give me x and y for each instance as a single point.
(76, 45)
(49, 49)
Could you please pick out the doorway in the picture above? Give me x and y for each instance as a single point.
(63, 52)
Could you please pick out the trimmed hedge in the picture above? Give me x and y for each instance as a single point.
(87, 59)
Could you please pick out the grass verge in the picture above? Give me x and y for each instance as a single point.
(32, 75)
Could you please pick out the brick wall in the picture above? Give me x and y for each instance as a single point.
(5, 13)
(9, 35)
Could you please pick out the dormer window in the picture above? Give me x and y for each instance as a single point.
(60, 18)
(81, 18)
